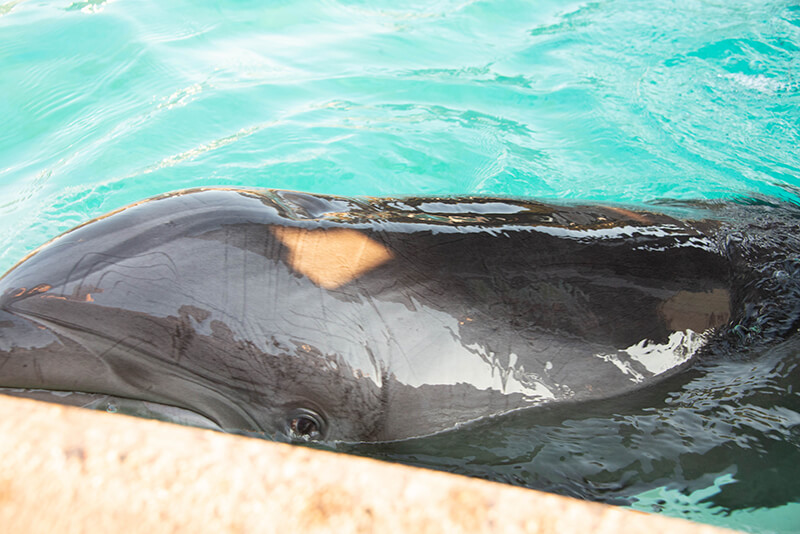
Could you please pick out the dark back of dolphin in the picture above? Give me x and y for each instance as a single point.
(366, 319)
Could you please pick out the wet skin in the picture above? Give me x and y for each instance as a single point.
(329, 318)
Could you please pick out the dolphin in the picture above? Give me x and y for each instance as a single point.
(311, 317)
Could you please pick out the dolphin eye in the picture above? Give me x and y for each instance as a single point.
(305, 425)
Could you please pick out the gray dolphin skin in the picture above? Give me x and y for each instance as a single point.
(303, 316)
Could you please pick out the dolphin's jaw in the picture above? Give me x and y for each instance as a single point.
(122, 377)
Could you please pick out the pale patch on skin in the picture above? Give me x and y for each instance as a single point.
(697, 311)
(331, 257)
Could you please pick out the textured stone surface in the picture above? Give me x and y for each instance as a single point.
(69, 470)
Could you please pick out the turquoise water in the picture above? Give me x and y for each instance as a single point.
(639, 102)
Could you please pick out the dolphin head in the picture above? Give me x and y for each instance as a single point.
(165, 303)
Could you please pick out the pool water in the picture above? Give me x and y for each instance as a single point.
(640, 102)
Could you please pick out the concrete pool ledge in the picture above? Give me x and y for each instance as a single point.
(65, 470)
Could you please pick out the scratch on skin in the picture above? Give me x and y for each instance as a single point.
(38, 370)
(638, 217)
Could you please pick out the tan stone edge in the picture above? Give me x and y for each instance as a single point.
(67, 470)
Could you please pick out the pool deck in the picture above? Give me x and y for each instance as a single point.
(67, 470)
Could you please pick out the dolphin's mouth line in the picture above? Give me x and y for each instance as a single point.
(116, 404)
(204, 384)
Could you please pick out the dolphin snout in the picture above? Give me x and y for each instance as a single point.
(33, 356)
(22, 342)
(19, 334)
